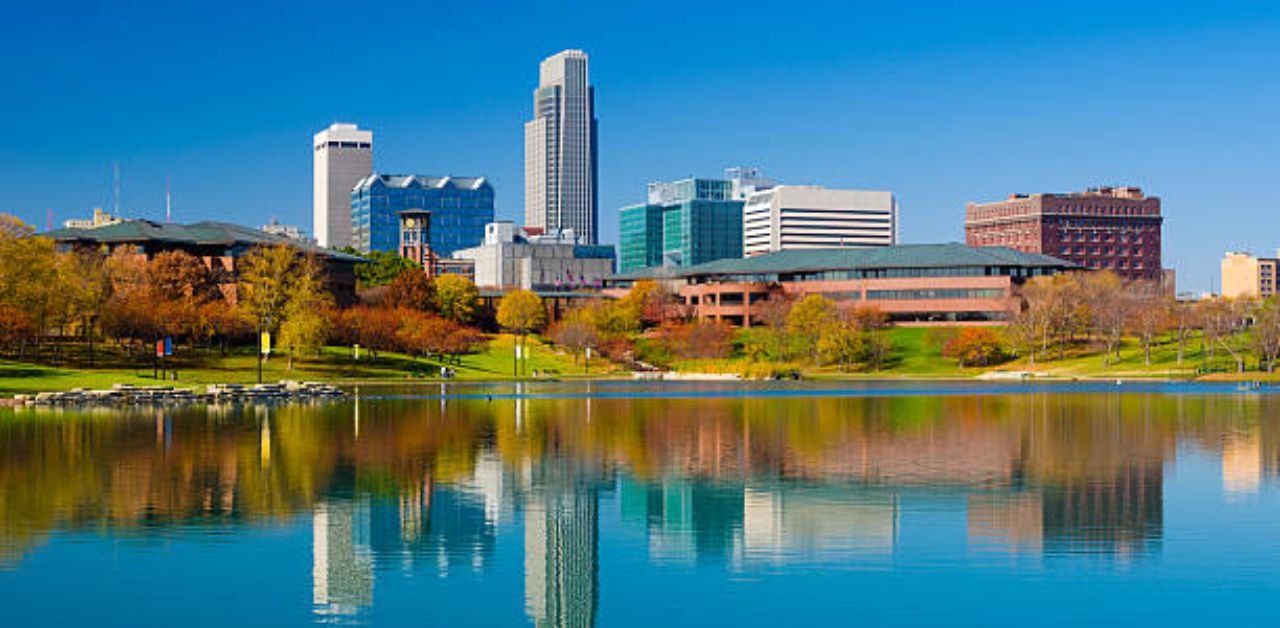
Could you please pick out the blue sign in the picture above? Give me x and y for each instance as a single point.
(168, 345)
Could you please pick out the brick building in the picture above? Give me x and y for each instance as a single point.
(1116, 229)
(913, 284)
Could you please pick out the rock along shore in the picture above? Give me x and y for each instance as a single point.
(126, 395)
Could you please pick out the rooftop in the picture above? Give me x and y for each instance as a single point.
(900, 256)
(207, 233)
(420, 181)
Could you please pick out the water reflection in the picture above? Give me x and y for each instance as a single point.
(743, 484)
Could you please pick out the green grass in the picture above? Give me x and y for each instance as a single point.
(334, 365)
(916, 356)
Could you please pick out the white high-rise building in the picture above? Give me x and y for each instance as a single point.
(343, 156)
(560, 149)
(813, 217)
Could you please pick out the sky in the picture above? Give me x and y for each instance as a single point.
(942, 103)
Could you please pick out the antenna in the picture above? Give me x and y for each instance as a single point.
(168, 200)
(115, 173)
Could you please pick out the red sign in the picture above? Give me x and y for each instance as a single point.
(159, 348)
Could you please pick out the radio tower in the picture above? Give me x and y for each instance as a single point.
(48, 219)
(168, 200)
(115, 178)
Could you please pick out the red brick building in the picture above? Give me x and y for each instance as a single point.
(1116, 229)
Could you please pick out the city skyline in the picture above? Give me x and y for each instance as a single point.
(924, 109)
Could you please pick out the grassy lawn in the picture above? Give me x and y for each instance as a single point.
(915, 355)
(334, 365)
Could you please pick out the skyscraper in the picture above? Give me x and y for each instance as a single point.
(560, 149)
(343, 155)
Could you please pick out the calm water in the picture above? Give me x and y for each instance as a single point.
(628, 505)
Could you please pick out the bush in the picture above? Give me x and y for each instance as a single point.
(976, 346)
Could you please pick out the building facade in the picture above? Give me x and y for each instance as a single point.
(460, 207)
(275, 227)
(560, 170)
(100, 219)
(1246, 276)
(415, 246)
(685, 222)
(1116, 229)
(913, 284)
(510, 258)
(789, 217)
(343, 155)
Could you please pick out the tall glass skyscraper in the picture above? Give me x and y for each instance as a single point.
(685, 222)
(560, 189)
(460, 208)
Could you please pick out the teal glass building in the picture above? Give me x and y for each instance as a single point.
(685, 222)
(460, 208)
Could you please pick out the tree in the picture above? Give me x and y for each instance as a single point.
(1150, 315)
(128, 313)
(697, 340)
(1222, 320)
(180, 276)
(29, 273)
(381, 268)
(411, 290)
(521, 311)
(456, 298)
(303, 331)
(975, 346)
(809, 317)
(12, 227)
(1186, 319)
(1266, 334)
(575, 332)
(841, 343)
(283, 292)
(266, 274)
(1109, 304)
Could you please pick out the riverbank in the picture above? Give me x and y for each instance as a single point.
(335, 365)
(915, 357)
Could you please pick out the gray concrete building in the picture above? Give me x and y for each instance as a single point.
(342, 156)
(513, 258)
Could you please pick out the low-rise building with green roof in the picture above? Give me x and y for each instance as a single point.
(911, 283)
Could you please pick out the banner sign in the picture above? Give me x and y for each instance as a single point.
(265, 343)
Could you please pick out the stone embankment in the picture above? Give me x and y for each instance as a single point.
(125, 394)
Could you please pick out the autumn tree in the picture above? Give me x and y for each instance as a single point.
(809, 317)
(975, 346)
(575, 332)
(29, 273)
(1150, 315)
(412, 290)
(702, 339)
(1266, 334)
(521, 311)
(281, 289)
(304, 331)
(457, 298)
(128, 314)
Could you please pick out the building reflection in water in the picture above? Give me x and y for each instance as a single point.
(741, 482)
(342, 561)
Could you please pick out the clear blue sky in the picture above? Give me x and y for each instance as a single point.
(940, 102)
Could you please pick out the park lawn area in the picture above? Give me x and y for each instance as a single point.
(335, 365)
(1085, 361)
(913, 356)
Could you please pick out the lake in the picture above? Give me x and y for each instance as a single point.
(634, 504)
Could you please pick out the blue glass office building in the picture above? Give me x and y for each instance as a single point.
(460, 208)
(685, 223)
